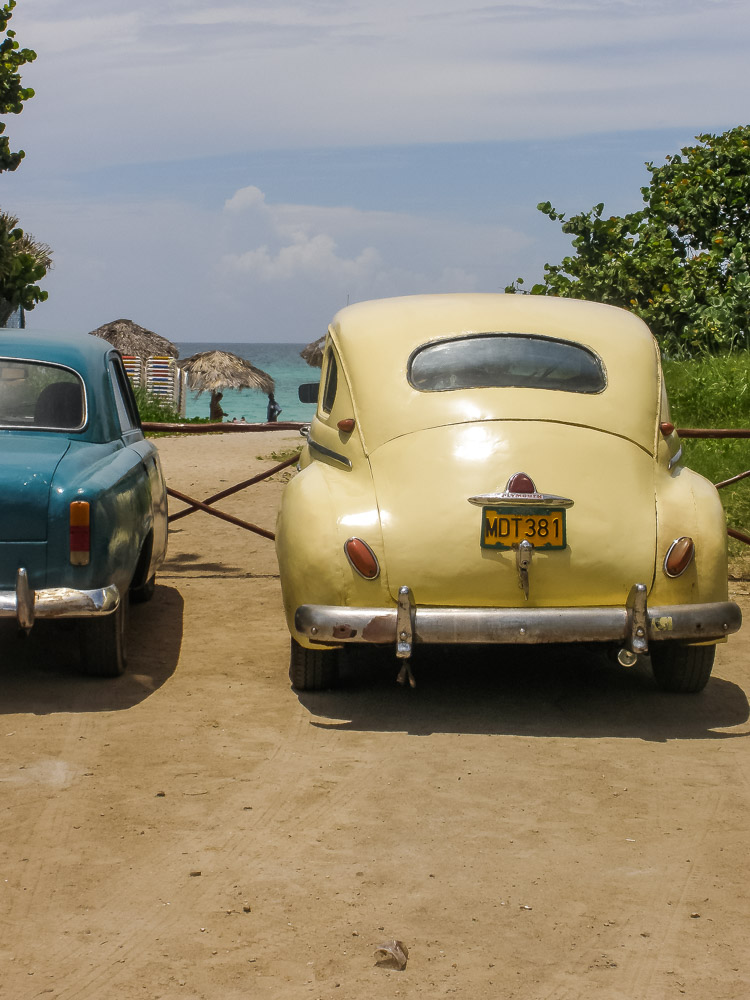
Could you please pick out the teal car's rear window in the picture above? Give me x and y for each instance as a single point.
(38, 396)
(506, 360)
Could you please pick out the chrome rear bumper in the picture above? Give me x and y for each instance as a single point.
(26, 605)
(633, 626)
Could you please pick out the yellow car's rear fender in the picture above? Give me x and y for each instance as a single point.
(689, 505)
(322, 508)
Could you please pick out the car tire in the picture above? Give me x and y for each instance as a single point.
(682, 669)
(139, 595)
(103, 642)
(313, 669)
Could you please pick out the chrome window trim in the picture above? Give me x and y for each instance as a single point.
(124, 405)
(477, 335)
(330, 387)
(675, 458)
(39, 427)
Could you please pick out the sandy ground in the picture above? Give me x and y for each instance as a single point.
(546, 827)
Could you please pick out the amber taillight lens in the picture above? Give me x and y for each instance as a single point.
(679, 556)
(80, 536)
(362, 558)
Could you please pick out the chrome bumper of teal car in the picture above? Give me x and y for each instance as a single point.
(633, 625)
(26, 605)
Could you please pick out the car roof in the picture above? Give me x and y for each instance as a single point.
(376, 339)
(413, 319)
(81, 352)
(77, 350)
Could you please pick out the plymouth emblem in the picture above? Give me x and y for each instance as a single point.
(520, 489)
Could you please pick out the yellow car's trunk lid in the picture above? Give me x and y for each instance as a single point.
(431, 529)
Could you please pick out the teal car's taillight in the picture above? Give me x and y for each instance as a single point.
(80, 534)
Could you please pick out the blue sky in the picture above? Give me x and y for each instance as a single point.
(237, 171)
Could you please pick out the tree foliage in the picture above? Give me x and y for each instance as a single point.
(682, 262)
(23, 262)
(12, 94)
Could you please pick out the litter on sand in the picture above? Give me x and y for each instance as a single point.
(392, 955)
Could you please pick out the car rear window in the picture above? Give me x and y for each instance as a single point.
(506, 360)
(35, 395)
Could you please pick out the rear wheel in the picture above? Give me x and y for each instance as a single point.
(682, 669)
(103, 644)
(313, 669)
(139, 595)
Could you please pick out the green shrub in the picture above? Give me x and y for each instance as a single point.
(156, 410)
(153, 408)
(715, 392)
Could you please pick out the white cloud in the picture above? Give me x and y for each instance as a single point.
(311, 257)
(68, 35)
(254, 270)
(247, 197)
(369, 253)
(181, 78)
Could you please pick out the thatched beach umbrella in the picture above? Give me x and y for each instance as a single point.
(131, 339)
(313, 353)
(214, 371)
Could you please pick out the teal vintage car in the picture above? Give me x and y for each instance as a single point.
(83, 504)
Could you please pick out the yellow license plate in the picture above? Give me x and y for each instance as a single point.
(504, 527)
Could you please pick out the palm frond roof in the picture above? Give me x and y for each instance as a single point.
(129, 338)
(313, 353)
(214, 371)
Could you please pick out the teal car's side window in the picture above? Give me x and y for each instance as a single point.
(40, 396)
(127, 412)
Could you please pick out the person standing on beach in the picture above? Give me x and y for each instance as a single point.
(273, 409)
(215, 412)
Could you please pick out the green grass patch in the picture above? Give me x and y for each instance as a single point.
(715, 392)
(279, 456)
(710, 391)
(156, 410)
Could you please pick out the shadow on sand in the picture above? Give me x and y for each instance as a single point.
(39, 674)
(560, 691)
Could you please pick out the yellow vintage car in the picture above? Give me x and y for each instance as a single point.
(487, 468)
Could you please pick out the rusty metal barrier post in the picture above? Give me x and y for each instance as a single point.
(719, 433)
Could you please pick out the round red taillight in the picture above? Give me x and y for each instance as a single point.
(362, 558)
(679, 556)
(521, 483)
(666, 428)
(346, 425)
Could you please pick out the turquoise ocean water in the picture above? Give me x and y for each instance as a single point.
(283, 364)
